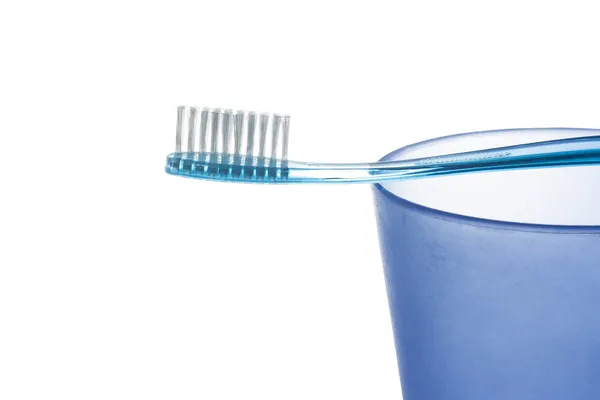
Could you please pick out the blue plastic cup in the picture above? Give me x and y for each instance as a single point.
(493, 279)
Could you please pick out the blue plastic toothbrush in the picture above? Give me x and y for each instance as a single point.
(215, 140)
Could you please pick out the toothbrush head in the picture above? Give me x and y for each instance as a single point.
(227, 145)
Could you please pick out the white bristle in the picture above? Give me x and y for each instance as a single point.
(203, 129)
(250, 134)
(238, 130)
(275, 137)
(226, 126)
(192, 129)
(226, 132)
(181, 111)
(214, 139)
(286, 138)
(264, 122)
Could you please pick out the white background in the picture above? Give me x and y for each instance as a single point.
(118, 281)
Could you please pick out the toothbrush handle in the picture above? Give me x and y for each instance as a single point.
(555, 153)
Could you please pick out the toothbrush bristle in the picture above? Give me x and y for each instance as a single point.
(226, 130)
(214, 139)
(251, 130)
(264, 121)
(275, 136)
(203, 129)
(192, 127)
(221, 135)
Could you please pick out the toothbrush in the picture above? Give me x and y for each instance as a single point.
(215, 138)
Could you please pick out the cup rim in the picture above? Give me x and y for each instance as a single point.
(478, 221)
